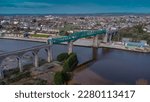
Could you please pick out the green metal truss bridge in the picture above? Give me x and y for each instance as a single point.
(76, 36)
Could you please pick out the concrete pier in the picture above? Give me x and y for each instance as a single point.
(95, 53)
(20, 64)
(1, 70)
(36, 59)
(70, 47)
(105, 39)
(95, 41)
(49, 54)
(1, 74)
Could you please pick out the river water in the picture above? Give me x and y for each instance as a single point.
(115, 65)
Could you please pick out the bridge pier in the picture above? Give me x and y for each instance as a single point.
(70, 47)
(20, 64)
(1, 74)
(105, 39)
(1, 70)
(95, 47)
(95, 41)
(49, 54)
(95, 53)
(36, 59)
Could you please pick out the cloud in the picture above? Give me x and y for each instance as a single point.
(26, 5)
(33, 5)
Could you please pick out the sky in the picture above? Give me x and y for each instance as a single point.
(73, 6)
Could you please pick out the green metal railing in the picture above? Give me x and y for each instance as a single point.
(76, 36)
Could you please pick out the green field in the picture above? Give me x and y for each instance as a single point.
(40, 35)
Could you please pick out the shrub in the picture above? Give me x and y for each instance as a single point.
(70, 63)
(2, 82)
(61, 78)
(66, 66)
(8, 73)
(19, 76)
(62, 57)
(40, 82)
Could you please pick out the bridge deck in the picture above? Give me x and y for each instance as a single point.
(75, 36)
(24, 50)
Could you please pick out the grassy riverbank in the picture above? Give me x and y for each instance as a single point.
(39, 35)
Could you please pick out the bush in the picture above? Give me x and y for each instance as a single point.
(66, 66)
(19, 76)
(37, 81)
(2, 82)
(62, 57)
(40, 82)
(70, 63)
(61, 78)
(8, 73)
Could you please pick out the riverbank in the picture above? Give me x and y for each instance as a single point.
(87, 43)
(42, 75)
(88, 77)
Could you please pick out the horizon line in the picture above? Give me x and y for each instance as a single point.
(125, 13)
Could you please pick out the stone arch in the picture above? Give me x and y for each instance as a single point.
(43, 54)
(27, 55)
(27, 58)
(5, 62)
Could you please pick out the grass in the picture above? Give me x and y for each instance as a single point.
(40, 35)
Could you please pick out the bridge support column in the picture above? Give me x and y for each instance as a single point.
(95, 53)
(95, 41)
(49, 54)
(1, 74)
(20, 64)
(1, 70)
(70, 47)
(105, 39)
(36, 59)
(95, 47)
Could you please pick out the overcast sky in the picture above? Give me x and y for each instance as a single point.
(73, 6)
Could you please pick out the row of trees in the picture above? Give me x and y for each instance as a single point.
(136, 33)
(65, 29)
(70, 61)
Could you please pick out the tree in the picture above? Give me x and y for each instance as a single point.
(71, 63)
(63, 32)
(65, 29)
(136, 33)
(139, 29)
(61, 78)
(62, 57)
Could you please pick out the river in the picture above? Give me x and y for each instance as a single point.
(115, 65)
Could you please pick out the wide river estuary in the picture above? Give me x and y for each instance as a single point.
(115, 65)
